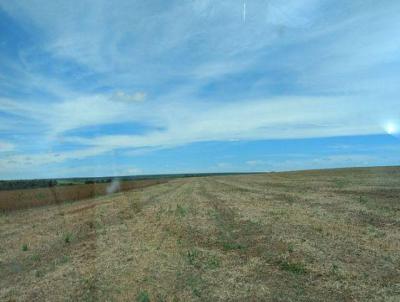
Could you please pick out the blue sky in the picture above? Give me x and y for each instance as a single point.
(93, 88)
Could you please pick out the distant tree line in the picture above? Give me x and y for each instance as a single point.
(27, 184)
(97, 181)
(48, 183)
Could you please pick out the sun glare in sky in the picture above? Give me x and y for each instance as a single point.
(391, 128)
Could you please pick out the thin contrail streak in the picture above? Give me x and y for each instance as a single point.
(244, 11)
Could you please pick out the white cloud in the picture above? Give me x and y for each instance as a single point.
(106, 37)
(255, 162)
(124, 97)
(274, 118)
(6, 146)
(224, 165)
(14, 161)
(310, 72)
(50, 171)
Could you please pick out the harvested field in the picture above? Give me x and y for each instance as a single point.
(302, 236)
(21, 199)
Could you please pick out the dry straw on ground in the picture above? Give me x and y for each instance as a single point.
(304, 236)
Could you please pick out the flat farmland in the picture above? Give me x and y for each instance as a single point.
(331, 235)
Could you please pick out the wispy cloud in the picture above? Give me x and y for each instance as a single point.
(191, 72)
(6, 146)
(125, 97)
(256, 162)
